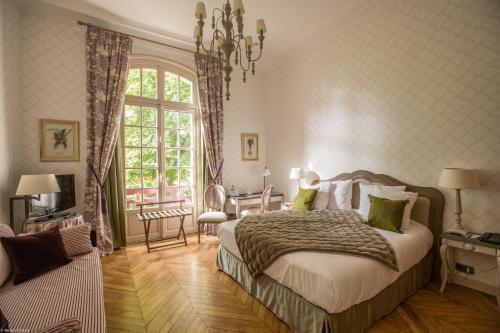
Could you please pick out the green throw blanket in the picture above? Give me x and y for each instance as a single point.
(263, 238)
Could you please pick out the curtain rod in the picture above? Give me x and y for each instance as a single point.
(137, 37)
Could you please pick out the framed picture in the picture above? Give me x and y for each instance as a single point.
(249, 146)
(59, 140)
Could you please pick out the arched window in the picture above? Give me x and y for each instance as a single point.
(159, 133)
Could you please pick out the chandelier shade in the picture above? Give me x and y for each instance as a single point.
(227, 41)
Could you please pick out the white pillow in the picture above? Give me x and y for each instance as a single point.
(5, 270)
(340, 194)
(400, 195)
(366, 189)
(323, 195)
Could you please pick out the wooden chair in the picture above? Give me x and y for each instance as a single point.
(264, 203)
(215, 198)
(146, 219)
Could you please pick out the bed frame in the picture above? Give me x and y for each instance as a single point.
(303, 316)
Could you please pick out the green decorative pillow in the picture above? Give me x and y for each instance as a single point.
(305, 198)
(386, 214)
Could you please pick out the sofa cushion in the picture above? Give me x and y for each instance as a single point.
(5, 269)
(71, 291)
(77, 239)
(33, 254)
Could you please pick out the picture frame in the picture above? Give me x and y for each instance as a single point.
(249, 146)
(59, 140)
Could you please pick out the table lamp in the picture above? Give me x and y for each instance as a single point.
(458, 179)
(266, 173)
(31, 185)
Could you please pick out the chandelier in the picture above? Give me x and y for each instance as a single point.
(225, 40)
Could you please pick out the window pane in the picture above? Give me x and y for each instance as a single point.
(185, 139)
(134, 82)
(187, 194)
(171, 87)
(186, 174)
(132, 157)
(149, 83)
(149, 117)
(150, 177)
(150, 195)
(133, 136)
(171, 193)
(171, 157)
(132, 197)
(171, 177)
(149, 137)
(132, 178)
(185, 120)
(185, 156)
(150, 157)
(170, 119)
(132, 115)
(171, 139)
(185, 90)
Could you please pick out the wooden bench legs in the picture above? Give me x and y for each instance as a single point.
(147, 225)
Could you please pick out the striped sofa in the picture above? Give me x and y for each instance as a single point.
(74, 291)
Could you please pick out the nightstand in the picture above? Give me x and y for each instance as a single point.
(450, 242)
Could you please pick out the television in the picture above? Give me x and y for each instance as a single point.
(56, 202)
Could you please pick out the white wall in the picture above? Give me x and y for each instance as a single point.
(10, 30)
(403, 88)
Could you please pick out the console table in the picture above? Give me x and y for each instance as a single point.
(252, 199)
(451, 242)
(65, 221)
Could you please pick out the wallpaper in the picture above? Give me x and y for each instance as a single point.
(403, 88)
(10, 30)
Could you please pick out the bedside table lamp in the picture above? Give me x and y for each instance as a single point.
(458, 179)
(31, 185)
(296, 174)
(266, 173)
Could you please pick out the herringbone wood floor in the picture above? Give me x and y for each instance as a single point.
(180, 290)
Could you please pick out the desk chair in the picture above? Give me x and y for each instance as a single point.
(215, 198)
(264, 203)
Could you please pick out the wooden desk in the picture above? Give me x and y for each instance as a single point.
(236, 203)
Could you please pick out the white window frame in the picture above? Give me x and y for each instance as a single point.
(162, 105)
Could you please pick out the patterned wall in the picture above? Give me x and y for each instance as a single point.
(403, 88)
(10, 30)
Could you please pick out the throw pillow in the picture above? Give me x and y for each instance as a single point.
(305, 198)
(341, 194)
(401, 195)
(5, 270)
(34, 254)
(77, 239)
(4, 324)
(366, 189)
(386, 214)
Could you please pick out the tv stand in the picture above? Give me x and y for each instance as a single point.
(63, 220)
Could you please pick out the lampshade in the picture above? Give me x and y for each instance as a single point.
(296, 173)
(37, 184)
(267, 172)
(311, 176)
(459, 178)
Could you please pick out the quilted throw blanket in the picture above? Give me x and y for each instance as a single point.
(263, 238)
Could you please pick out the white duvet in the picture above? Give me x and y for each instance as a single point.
(335, 282)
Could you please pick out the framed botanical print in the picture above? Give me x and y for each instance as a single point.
(59, 140)
(249, 146)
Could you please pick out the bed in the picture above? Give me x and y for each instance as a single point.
(309, 292)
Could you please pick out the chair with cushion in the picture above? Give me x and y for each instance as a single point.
(215, 198)
(264, 203)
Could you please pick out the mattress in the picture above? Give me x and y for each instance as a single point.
(335, 282)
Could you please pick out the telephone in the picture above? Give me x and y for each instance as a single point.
(490, 237)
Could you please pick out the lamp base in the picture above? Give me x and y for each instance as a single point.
(457, 229)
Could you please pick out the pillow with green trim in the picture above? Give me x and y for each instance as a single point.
(386, 214)
(305, 199)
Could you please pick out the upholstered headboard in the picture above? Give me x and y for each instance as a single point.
(428, 209)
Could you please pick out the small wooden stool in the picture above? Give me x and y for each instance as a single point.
(146, 219)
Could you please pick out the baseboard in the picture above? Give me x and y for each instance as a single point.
(469, 282)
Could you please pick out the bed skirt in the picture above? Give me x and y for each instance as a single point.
(304, 317)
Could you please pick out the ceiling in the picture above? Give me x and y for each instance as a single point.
(288, 21)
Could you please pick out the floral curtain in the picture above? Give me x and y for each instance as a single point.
(108, 56)
(209, 74)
